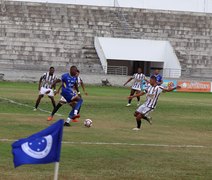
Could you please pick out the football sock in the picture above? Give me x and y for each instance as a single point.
(56, 109)
(75, 112)
(146, 118)
(129, 101)
(79, 110)
(36, 105)
(76, 108)
(139, 124)
(68, 120)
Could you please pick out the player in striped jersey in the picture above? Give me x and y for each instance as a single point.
(45, 87)
(136, 87)
(80, 83)
(152, 92)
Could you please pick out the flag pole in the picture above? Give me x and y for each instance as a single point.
(56, 169)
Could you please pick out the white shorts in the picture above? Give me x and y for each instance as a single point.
(63, 99)
(136, 89)
(143, 109)
(43, 91)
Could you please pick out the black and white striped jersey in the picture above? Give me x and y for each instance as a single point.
(79, 81)
(138, 78)
(152, 95)
(47, 80)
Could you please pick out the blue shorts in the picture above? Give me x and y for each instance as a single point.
(68, 95)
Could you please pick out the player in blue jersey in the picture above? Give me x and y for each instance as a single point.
(69, 93)
(63, 100)
(159, 78)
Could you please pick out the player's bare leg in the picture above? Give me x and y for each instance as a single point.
(138, 98)
(132, 92)
(148, 119)
(38, 101)
(56, 108)
(53, 101)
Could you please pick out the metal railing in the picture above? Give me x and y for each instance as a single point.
(117, 70)
(124, 23)
(171, 73)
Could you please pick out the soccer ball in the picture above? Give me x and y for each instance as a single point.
(88, 122)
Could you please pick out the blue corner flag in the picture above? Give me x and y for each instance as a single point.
(40, 148)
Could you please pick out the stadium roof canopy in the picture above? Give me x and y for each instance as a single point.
(204, 6)
(138, 50)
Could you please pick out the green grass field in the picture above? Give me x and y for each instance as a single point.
(179, 119)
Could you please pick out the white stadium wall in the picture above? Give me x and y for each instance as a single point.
(35, 36)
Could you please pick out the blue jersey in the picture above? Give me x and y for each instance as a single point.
(158, 78)
(68, 82)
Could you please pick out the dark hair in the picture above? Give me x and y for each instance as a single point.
(51, 67)
(73, 67)
(153, 77)
(78, 71)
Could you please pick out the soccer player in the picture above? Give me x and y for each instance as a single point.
(45, 87)
(69, 83)
(152, 92)
(159, 78)
(80, 83)
(136, 87)
(63, 100)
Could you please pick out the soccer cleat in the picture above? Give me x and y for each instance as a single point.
(136, 129)
(75, 116)
(34, 109)
(75, 120)
(50, 118)
(67, 124)
(128, 105)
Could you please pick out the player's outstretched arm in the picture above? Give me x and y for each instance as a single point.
(128, 81)
(58, 91)
(77, 89)
(137, 95)
(83, 88)
(171, 89)
(145, 79)
(55, 82)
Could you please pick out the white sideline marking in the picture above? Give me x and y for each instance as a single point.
(26, 105)
(129, 144)
(122, 144)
